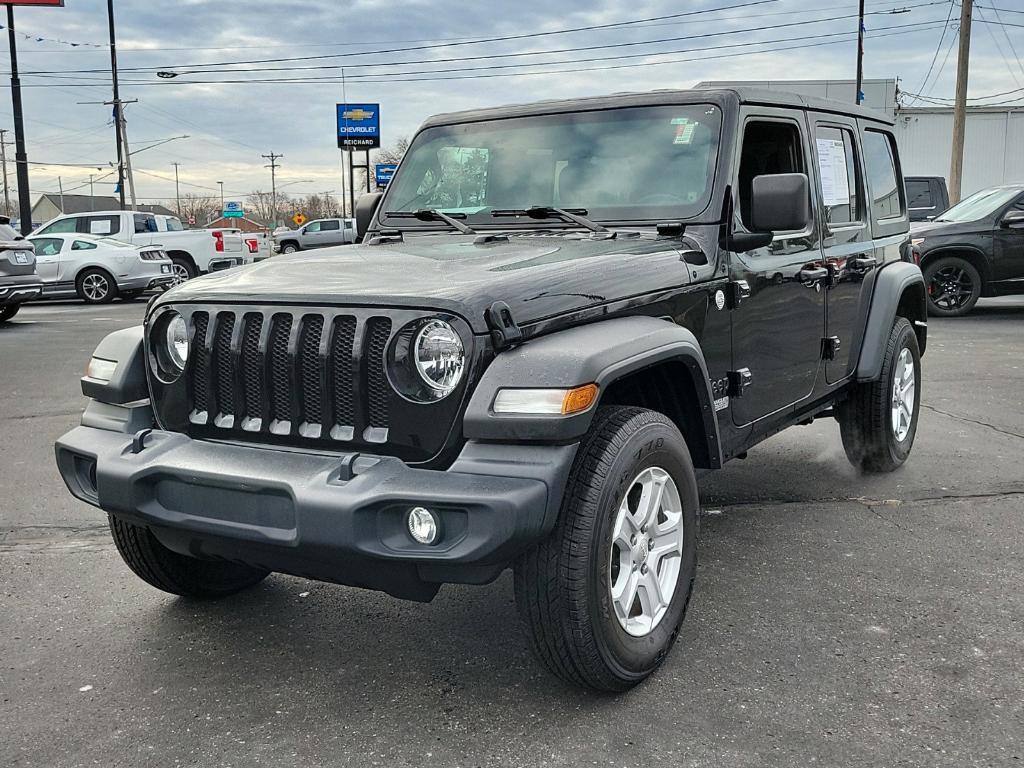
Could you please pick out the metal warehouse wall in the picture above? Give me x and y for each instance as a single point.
(993, 146)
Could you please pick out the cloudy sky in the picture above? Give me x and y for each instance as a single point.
(230, 124)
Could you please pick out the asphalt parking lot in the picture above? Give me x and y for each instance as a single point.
(837, 620)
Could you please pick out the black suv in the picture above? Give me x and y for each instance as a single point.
(559, 313)
(974, 249)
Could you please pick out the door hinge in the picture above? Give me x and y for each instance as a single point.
(504, 331)
(830, 347)
(738, 290)
(738, 381)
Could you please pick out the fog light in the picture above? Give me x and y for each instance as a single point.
(423, 525)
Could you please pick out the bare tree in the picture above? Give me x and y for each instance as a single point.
(392, 154)
(317, 206)
(259, 205)
(200, 208)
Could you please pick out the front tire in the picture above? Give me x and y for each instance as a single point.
(6, 313)
(289, 248)
(954, 286)
(604, 595)
(96, 286)
(178, 574)
(878, 422)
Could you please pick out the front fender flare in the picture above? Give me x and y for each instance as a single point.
(128, 383)
(599, 353)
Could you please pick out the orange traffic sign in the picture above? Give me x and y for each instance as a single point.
(298, 219)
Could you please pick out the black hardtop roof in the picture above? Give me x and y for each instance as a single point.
(737, 95)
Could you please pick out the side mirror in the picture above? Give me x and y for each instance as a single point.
(366, 207)
(780, 202)
(1012, 220)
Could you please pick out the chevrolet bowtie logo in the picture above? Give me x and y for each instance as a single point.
(357, 114)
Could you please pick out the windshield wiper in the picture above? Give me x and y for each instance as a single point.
(572, 215)
(432, 214)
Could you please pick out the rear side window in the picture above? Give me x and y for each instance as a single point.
(880, 163)
(82, 245)
(837, 169)
(329, 226)
(64, 225)
(919, 194)
(102, 225)
(144, 223)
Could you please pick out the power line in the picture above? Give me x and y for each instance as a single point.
(194, 69)
(468, 72)
(999, 47)
(938, 47)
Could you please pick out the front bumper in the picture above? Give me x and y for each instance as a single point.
(338, 518)
(17, 293)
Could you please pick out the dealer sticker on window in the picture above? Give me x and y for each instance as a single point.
(684, 130)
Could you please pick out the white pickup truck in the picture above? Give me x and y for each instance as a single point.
(193, 251)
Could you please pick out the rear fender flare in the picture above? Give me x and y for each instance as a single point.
(891, 285)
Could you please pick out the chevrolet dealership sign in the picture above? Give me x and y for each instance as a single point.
(358, 126)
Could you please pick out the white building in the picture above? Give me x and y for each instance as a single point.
(993, 142)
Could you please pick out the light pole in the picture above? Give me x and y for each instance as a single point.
(221, 185)
(177, 189)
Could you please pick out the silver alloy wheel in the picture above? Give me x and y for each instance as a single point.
(95, 287)
(180, 272)
(646, 553)
(903, 386)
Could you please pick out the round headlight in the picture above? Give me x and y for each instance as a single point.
(176, 334)
(439, 356)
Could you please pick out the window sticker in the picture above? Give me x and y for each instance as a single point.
(835, 179)
(684, 130)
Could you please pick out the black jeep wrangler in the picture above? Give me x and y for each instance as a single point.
(559, 313)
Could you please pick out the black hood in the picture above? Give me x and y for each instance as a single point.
(951, 228)
(539, 275)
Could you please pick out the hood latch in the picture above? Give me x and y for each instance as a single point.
(504, 331)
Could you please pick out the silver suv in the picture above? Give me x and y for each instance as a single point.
(19, 281)
(316, 234)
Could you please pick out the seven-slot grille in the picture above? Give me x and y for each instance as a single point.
(307, 374)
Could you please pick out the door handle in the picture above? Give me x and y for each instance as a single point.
(862, 263)
(812, 274)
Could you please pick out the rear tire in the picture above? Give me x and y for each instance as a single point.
(602, 607)
(165, 569)
(183, 270)
(6, 313)
(96, 286)
(878, 422)
(953, 285)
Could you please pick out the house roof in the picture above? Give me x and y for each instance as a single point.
(89, 203)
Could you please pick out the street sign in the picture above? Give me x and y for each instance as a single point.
(383, 173)
(298, 219)
(233, 210)
(358, 126)
(191, 221)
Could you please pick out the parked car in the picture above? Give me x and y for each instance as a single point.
(99, 269)
(19, 281)
(927, 197)
(316, 234)
(193, 251)
(523, 365)
(974, 249)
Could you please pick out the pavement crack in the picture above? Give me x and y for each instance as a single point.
(958, 417)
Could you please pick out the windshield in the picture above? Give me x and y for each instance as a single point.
(647, 163)
(979, 205)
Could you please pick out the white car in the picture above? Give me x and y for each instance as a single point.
(98, 269)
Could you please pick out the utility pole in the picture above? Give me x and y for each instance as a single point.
(956, 165)
(20, 156)
(221, 184)
(273, 181)
(127, 152)
(859, 97)
(177, 191)
(116, 102)
(92, 195)
(60, 186)
(3, 160)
